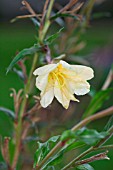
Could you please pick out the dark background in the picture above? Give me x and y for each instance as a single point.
(11, 8)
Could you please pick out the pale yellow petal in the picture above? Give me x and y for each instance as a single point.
(45, 69)
(83, 71)
(47, 97)
(63, 95)
(65, 64)
(61, 98)
(41, 82)
(81, 88)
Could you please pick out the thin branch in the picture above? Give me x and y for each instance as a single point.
(32, 110)
(108, 80)
(68, 6)
(29, 16)
(77, 158)
(44, 12)
(25, 3)
(75, 9)
(97, 157)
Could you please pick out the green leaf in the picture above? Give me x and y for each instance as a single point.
(90, 136)
(51, 38)
(43, 149)
(85, 167)
(97, 102)
(8, 112)
(56, 159)
(74, 145)
(68, 134)
(22, 54)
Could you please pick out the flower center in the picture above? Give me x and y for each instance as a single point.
(60, 79)
(57, 76)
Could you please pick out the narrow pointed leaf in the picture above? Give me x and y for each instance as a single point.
(51, 38)
(22, 54)
(9, 112)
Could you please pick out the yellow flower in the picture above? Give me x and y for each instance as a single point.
(62, 81)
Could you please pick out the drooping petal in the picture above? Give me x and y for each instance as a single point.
(47, 96)
(81, 87)
(41, 82)
(63, 95)
(45, 69)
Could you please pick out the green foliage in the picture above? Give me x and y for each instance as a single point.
(68, 134)
(97, 101)
(72, 140)
(85, 167)
(44, 149)
(51, 38)
(22, 54)
(56, 159)
(8, 112)
(88, 136)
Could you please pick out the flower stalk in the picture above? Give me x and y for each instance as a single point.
(44, 28)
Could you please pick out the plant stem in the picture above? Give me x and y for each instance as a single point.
(81, 124)
(108, 80)
(47, 23)
(96, 157)
(77, 158)
(18, 127)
